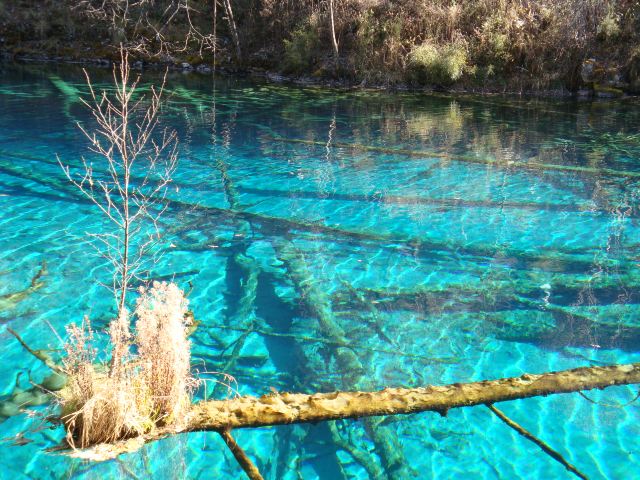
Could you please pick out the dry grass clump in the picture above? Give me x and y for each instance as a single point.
(138, 391)
(163, 349)
(115, 410)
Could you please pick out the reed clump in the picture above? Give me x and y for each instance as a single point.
(148, 385)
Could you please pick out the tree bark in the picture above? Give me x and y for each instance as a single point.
(333, 35)
(232, 27)
(288, 408)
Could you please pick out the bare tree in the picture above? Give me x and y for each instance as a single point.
(232, 27)
(334, 41)
(129, 180)
(142, 24)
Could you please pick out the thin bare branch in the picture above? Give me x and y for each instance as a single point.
(126, 144)
(557, 456)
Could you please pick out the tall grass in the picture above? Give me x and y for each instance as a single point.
(147, 389)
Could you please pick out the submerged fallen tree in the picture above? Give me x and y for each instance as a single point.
(276, 408)
(528, 165)
(143, 393)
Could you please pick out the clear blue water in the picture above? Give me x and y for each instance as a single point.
(457, 242)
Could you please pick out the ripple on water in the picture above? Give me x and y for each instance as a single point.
(467, 270)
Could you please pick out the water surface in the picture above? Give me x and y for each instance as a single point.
(450, 238)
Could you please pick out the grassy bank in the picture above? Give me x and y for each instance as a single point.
(493, 45)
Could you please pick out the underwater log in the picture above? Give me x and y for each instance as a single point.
(319, 304)
(526, 165)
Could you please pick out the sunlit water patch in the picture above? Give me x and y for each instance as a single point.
(452, 239)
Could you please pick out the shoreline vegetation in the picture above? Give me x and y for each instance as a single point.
(563, 48)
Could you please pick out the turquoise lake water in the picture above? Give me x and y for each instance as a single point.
(451, 239)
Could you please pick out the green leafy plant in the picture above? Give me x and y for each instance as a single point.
(437, 65)
(300, 49)
(609, 27)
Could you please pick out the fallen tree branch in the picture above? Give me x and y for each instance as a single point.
(279, 225)
(610, 405)
(245, 462)
(353, 373)
(364, 458)
(288, 408)
(39, 354)
(351, 344)
(557, 456)
(9, 300)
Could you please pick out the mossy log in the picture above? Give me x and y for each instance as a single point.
(543, 259)
(319, 304)
(291, 408)
(528, 165)
(373, 318)
(521, 311)
(244, 315)
(245, 311)
(359, 455)
(278, 225)
(438, 203)
(574, 259)
(317, 301)
(232, 193)
(560, 288)
(10, 300)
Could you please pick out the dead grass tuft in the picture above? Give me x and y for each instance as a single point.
(139, 391)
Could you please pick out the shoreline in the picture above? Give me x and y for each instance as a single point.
(343, 84)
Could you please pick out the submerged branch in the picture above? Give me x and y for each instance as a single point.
(528, 165)
(39, 354)
(9, 300)
(361, 456)
(557, 456)
(289, 408)
(243, 459)
(319, 304)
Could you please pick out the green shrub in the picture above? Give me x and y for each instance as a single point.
(300, 51)
(378, 47)
(495, 43)
(609, 28)
(437, 65)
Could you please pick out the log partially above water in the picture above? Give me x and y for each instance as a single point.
(291, 408)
